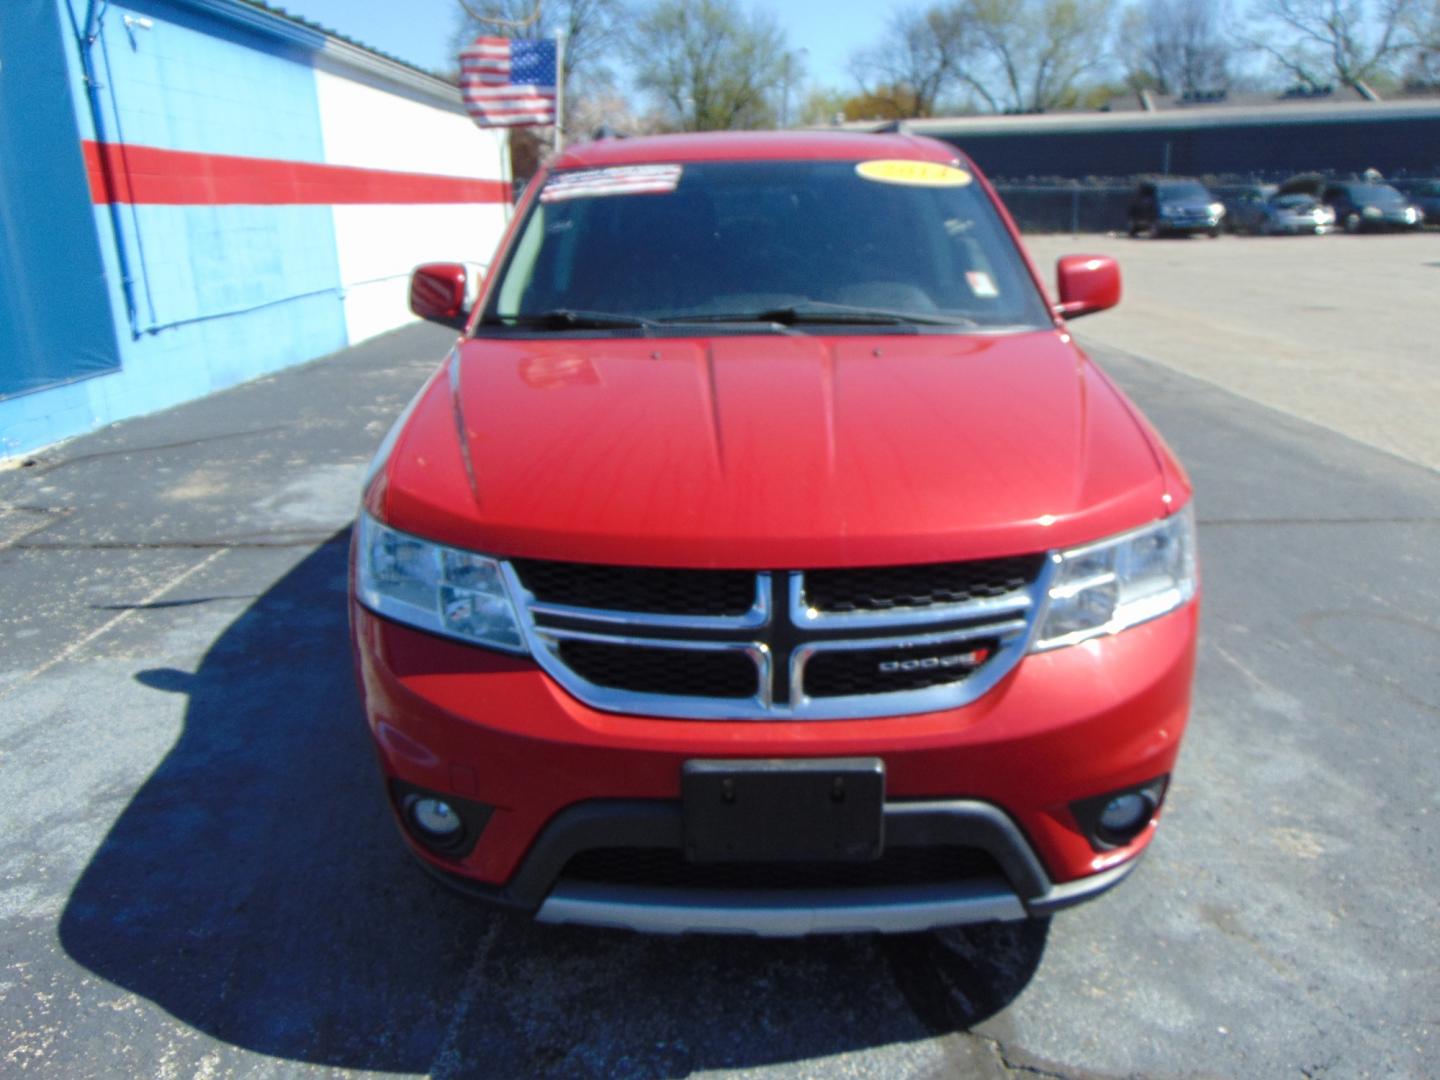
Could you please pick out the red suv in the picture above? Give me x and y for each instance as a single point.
(767, 558)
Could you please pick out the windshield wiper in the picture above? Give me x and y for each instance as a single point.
(819, 311)
(573, 318)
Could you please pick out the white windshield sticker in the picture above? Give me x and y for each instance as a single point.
(616, 180)
(982, 284)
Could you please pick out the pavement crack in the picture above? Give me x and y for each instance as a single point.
(448, 1060)
(1024, 1068)
(1399, 520)
(44, 469)
(48, 515)
(272, 540)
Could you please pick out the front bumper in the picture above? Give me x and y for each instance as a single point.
(1297, 226)
(1021, 889)
(999, 774)
(1188, 224)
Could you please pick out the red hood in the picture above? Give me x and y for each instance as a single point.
(773, 451)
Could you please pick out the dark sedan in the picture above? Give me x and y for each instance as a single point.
(1174, 206)
(1371, 207)
(1426, 195)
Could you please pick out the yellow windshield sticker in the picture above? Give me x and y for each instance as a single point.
(917, 173)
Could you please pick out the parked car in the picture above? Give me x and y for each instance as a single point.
(1362, 206)
(1168, 207)
(1244, 207)
(1425, 194)
(767, 557)
(1276, 214)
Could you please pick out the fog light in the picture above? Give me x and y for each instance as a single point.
(1123, 814)
(435, 818)
(1118, 817)
(440, 823)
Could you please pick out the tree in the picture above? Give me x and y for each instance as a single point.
(590, 26)
(1176, 46)
(1352, 42)
(884, 101)
(1423, 71)
(710, 64)
(908, 71)
(822, 105)
(1031, 55)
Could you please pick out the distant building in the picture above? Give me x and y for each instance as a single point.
(1253, 136)
(197, 192)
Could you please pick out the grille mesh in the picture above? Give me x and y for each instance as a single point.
(613, 650)
(843, 672)
(667, 868)
(882, 588)
(639, 588)
(685, 672)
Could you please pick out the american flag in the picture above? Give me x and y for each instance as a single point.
(509, 82)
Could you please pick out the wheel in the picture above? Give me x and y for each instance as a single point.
(1352, 222)
(1153, 232)
(1132, 229)
(1215, 233)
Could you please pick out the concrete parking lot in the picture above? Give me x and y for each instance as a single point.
(198, 876)
(1338, 330)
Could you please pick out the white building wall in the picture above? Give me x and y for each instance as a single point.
(379, 244)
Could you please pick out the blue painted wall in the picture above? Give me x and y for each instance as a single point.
(55, 323)
(222, 293)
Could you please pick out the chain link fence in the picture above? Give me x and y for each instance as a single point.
(1081, 208)
(1055, 208)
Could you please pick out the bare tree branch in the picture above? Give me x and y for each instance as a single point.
(1032, 54)
(508, 24)
(916, 62)
(1351, 41)
(1176, 46)
(709, 63)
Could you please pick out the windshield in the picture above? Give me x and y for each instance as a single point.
(1376, 195)
(1295, 202)
(837, 243)
(1185, 193)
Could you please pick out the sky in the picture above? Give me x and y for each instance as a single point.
(419, 30)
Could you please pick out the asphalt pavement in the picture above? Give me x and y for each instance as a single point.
(198, 875)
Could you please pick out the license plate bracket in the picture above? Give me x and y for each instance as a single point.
(776, 810)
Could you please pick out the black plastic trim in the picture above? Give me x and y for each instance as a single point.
(658, 823)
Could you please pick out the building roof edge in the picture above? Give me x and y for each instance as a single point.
(343, 51)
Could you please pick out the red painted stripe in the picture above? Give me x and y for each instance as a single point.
(126, 173)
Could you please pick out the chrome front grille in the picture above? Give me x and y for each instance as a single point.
(778, 645)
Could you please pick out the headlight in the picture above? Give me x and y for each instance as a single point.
(1217, 209)
(1103, 588)
(432, 587)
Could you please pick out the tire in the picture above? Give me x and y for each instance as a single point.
(1352, 223)
(1153, 232)
(1133, 229)
(1214, 233)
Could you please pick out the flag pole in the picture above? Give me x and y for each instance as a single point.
(559, 91)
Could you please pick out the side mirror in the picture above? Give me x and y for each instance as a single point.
(437, 293)
(1088, 283)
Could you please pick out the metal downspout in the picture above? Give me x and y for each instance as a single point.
(85, 39)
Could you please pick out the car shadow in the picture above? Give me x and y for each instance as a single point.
(254, 888)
